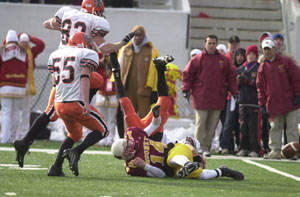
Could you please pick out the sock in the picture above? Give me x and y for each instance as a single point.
(179, 160)
(88, 141)
(66, 144)
(120, 121)
(116, 70)
(208, 174)
(153, 125)
(38, 125)
(219, 172)
(162, 87)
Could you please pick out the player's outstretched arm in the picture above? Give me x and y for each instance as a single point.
(152, 171)
(52, 24)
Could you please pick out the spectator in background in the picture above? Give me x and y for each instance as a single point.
(195, 52)
(222, 49)
(106, 100)
(32, 53)
(278, 87)
(138, 72)
(205, 76)
(233, 45)
(265, 126)
(262, 36)
(248, 104)
(13, 79)
(279, 42)
(229, 139)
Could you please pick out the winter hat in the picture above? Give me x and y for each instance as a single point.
(11, 36)
(278, 35)
(195, 52)
(267, 43)
(264, 35)
(252, 48)
(24, 37)
(234, 39)
(223, 47)
(138, 29)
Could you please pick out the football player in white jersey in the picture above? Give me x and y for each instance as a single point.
(89, 20)
(71, 68)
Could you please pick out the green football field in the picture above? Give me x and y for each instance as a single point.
(102, 175)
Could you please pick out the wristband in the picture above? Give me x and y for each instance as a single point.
(86, 76)
(51, 23)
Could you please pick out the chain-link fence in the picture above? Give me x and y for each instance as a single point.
(44, 85)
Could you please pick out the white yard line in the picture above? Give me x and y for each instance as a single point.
(271, 169)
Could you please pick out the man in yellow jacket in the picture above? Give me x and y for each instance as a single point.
(138, 72)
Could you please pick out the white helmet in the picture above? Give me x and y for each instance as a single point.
(117, 148)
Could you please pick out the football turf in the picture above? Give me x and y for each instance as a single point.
(103, 175)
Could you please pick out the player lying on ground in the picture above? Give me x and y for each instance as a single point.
(132, 119)
(145, 157)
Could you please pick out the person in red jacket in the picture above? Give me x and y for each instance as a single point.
(205, 76)
(278, 87)
(13, 79)
(32, 53)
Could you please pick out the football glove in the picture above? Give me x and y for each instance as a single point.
(127, 38)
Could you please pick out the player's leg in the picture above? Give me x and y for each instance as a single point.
(94, 122)
(180, 157)
(56, 168)
(23, 145)
(117, 75)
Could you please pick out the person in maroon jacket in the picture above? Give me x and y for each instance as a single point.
(278, 87)
(205, 76)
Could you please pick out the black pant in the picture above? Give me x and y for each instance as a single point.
(249, 129)
(231, 125)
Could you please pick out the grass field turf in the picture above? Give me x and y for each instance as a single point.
(103, 175)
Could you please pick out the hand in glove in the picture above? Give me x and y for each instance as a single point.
(186, 94)
(296, 100)
(127, 38)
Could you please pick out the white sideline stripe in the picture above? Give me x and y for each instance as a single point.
(53, 151)
(271, 169)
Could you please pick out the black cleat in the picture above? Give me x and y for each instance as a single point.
(187, 169)
(73, 158)
(156, 111)
(231, 173)
(161, 62)
(21, 150)
(55, 171)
